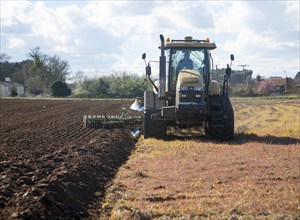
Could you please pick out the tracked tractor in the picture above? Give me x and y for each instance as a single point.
(185, 94)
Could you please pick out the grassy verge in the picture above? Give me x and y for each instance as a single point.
(256, 176)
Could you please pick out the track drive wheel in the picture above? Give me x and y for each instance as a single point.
(153, 128)
(221, 126)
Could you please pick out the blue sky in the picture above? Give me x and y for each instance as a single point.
(98, 37)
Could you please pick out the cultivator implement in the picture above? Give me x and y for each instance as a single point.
(110, 121)
(114, 121)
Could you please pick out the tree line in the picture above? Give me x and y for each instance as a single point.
(47, 75)
(114, 85)
(37, 73)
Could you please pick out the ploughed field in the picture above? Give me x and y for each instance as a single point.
(51, 167)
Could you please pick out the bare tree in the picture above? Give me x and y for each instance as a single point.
(78, 77)
(46, 69)
(4, 57)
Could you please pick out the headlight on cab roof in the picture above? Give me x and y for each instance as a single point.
(198, 88)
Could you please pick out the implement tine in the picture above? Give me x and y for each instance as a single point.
(111, 121)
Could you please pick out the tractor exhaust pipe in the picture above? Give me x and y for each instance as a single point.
(162, 70)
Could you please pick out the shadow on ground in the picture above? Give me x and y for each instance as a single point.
(239, 138)
(242, 138)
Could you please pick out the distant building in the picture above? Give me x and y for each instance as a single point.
(7, 87)
(259, 78)
(273, 85)
(242, 78)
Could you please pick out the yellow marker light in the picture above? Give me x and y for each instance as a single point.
(168, 39)
(207, 40)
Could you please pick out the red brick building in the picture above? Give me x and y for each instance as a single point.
(273, 85)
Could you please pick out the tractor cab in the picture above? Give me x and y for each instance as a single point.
(182, 59)
(188, 67)
(187, 55)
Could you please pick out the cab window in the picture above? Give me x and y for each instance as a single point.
(183, 58)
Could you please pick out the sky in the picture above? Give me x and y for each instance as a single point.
(101, 37)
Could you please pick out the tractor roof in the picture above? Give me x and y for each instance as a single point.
(190, 43)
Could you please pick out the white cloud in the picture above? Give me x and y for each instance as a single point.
(12, 12)
(111, 35)
(15, 42)
(231, 19)
(48, 24)
(262, 35)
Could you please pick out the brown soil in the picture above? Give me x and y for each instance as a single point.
(51, 167)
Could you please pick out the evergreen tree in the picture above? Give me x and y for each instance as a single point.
(60, 89)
